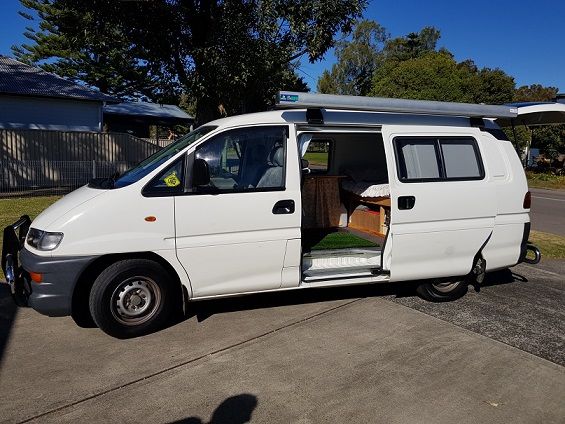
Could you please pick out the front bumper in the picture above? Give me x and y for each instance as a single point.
(53, 295)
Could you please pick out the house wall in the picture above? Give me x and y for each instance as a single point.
(21, 112)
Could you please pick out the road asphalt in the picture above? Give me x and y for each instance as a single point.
(366, 354)
(548, 211)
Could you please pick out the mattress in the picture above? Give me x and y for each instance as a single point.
(366, 188)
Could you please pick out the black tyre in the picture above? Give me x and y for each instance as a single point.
(442, 291)
(131, 298)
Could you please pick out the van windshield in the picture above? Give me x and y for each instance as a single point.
(157, 159)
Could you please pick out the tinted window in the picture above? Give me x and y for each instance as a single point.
(249, 159)
(417, 159)
(460, 158)
(168, 182)
(438, 159)
(154, 161)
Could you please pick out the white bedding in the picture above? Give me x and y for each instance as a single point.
(366, 189)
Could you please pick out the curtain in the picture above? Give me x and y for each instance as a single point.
(320, 202)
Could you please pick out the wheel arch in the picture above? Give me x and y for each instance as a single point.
(85, 280)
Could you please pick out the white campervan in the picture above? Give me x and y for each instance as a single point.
(323, 191)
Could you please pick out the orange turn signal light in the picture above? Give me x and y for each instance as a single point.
(151, 218)
(36, 277)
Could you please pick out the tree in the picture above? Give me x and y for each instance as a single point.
(231, 56)
(436, 75)
(357, 60)
(413, 45)
(432, 76)
(97, 53)
(494, 86)
(535, 93)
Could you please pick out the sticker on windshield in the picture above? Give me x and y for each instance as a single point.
(172, 180)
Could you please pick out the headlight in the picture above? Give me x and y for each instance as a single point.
(43, 240)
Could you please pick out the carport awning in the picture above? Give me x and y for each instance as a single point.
(534, 114)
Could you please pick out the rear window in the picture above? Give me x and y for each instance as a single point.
(418, 159)
(421, 159)
(318, 156)
(460, 157)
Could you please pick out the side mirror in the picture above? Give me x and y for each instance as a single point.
(200, 173)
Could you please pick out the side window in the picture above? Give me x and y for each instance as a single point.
(417, 159)
(318, 156)
(422, 159)
(461, 158)
(249, 159)
(169, 182)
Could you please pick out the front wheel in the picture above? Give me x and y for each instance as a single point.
(131, 298)
(442, 291)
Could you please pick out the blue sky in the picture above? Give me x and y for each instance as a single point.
(524, 38)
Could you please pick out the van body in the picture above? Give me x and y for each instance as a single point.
(222, 212)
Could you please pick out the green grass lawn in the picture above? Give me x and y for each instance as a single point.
(317, 158)
(551, 246)
(342, 240)
(549, 181)
(12, 209)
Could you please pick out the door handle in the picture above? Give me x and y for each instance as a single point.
(283, 207)
(406, 202)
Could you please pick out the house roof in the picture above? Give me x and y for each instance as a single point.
(148, 110)
(17, 78)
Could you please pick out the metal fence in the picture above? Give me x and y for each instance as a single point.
(161, 142)
(32, 178)
(34, 162)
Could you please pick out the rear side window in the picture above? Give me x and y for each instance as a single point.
(418, 159)
(461, 158)
(318, 156)
(421, 159)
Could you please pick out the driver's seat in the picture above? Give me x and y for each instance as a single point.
(273, 175)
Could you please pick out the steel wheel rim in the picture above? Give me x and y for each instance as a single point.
(446, 286)
(135, 300)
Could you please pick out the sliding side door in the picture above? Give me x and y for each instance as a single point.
(442, 205)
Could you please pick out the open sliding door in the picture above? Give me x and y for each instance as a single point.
(442, 209)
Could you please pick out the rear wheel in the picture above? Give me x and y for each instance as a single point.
(131, 298)
(442, 291)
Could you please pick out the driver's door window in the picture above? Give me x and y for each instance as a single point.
(249, 159)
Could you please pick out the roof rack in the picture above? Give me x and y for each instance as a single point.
(297, 100)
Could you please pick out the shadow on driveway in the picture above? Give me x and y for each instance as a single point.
(234, 410)
(8, 311)
(205, 309)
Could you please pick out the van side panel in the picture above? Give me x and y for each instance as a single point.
(449, 221)
(509, 180)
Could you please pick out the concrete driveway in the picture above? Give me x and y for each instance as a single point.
(363, 354)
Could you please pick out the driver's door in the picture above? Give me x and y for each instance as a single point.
(232, 234)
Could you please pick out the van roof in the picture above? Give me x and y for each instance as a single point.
(293, 99)
(340, 118)
(346, 110)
